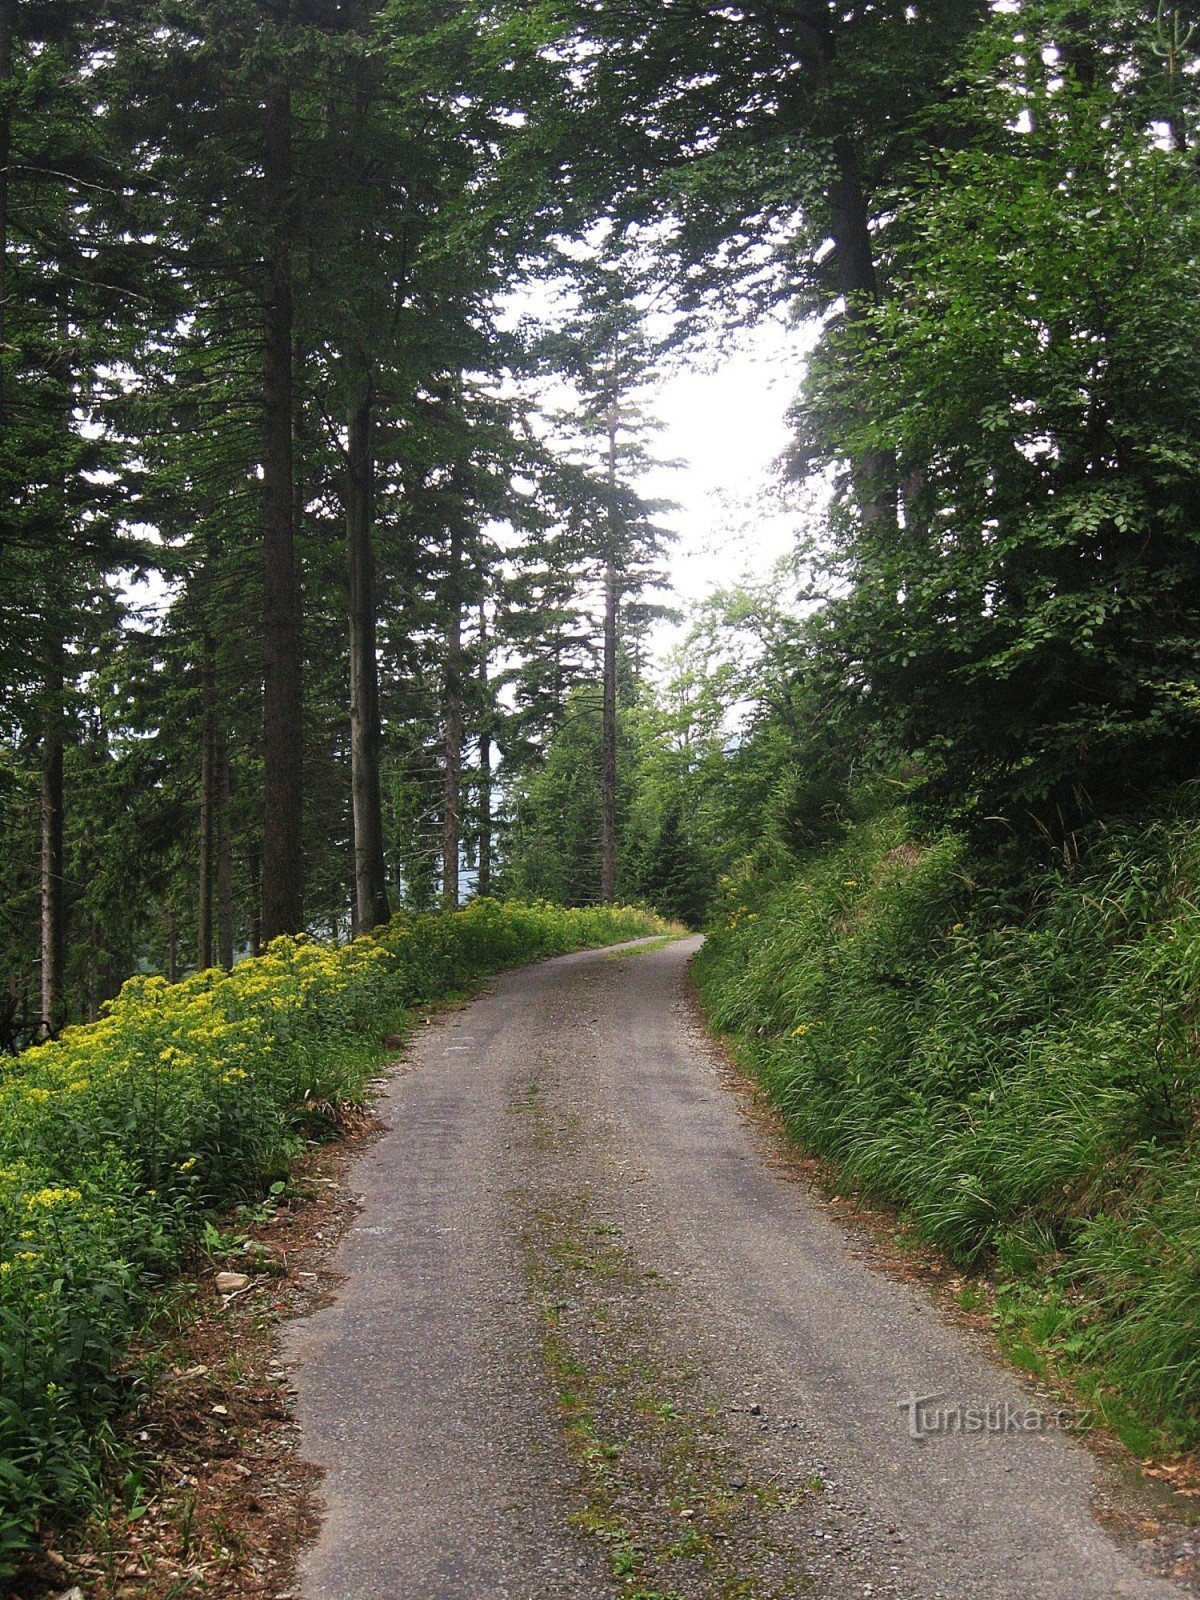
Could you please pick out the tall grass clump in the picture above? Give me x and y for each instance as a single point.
(1024, 1084)
(119, 1138)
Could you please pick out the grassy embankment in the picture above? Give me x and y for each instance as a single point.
(1023, 1084)
(121, 1138)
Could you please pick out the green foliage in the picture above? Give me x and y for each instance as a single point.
(1020, 1075)
(120, 1139)
(1027, 626)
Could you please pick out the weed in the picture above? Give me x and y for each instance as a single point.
(120, 1141)
(624, 1561)
(1020, 1074)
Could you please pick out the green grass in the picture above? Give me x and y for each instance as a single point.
(121, 1140)
(1022, 1079)
(645, 947)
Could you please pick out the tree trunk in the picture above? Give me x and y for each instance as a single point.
(858, 282)
(483, 883)
(453, 732)
(172, 948)
(224, 847)
(208, 806)
(8, 28)
(608, 772)
(283, 791)
(815, 42)
(850, 222)
(1079, 50)
(370, 875)
(53, 900)
(254, 901)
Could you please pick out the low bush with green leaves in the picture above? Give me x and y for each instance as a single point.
(120, 1139)
(1022, 1079)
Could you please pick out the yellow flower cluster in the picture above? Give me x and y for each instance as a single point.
(119, 1137)
(173, 1075)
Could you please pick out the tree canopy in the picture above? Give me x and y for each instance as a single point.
(328, 337)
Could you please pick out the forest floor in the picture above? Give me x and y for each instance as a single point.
(594, 1328)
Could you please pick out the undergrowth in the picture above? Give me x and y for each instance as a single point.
(1022, 1083)
(119, 1140)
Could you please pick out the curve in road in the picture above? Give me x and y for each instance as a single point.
(592, 1341)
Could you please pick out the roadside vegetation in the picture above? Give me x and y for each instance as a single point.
(314, 606)
(122, 1139)
(1020, 1075)
(933, 789)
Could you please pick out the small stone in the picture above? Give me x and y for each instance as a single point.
(70, 1594)
(754, 1409)
(231, 1282)
(220, 1411)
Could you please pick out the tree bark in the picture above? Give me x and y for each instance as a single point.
(283, 783)
(254, 900)
(850, 225)
(484, 880)
(1079, 53)
(208, 806)
(608, 760)
(370, 874)
(858, 283)
(814, 40)
(8, 28)
(53, 898)
(453, 732)
(224, 848)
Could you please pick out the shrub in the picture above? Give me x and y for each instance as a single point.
(1025, 1085)
(120, 1137)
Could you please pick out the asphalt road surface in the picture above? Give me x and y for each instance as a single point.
(594, 1340)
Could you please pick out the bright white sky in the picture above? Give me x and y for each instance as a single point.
(723, 421)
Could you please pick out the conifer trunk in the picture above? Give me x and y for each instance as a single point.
(608, 775)
(484, 880)
(254, 900)
(53, 900)
(608, 760)
(370, 876)
(208, 807)
(8, 28)
(452, 732)
(224, 848)
(815, 44)
(283, 794)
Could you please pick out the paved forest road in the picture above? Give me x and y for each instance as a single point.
(591, 1343)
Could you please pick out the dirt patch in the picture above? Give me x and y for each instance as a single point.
(208, 1494)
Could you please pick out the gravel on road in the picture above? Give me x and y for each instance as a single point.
(593, 1341)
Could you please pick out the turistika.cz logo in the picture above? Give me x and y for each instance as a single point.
(933, 1416)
